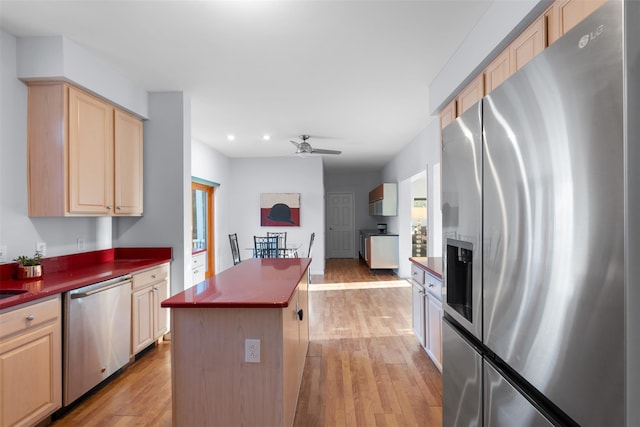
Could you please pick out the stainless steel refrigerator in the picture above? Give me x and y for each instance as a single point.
(540, 199)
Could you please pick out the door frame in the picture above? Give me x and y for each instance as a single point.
(209, 188)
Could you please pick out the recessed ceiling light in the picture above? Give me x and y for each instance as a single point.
(231, 137)
(266, 137)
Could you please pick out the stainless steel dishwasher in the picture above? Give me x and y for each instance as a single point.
(97, 334)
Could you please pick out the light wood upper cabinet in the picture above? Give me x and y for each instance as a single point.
(84, 154)
(90, 150)
(527, 45)
(563, 15)
(448, 114)
(471, 94)
(498, 71)
(128, 164)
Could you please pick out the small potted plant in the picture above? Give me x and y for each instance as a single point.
(29, 267)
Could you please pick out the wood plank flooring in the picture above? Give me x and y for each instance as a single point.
(364, 366)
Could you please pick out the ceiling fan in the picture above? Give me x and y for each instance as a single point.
(304, 148)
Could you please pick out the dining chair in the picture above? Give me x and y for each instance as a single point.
(235, 249)
(313, 236)
(266, 247)
(282, 241)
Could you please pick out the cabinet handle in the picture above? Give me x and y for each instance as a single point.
(431, 285)
(300, 314)
(155, 288)
(153, 276)
(109, 207)
(119, 208)
(30, 317)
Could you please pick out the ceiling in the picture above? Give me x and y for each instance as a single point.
(352, 74)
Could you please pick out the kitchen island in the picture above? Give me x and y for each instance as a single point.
(239, 343)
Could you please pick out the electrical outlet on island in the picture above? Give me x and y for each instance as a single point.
(252, 350)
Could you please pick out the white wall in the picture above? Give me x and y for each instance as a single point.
(502, 21)
(417, 156)
(250, 177)
(209, 164)
(60, 58)
(167, 186)
(359, 183)
(18, 232)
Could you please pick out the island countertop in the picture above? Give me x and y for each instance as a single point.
(254, 283)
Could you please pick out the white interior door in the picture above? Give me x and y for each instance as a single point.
(340, 224)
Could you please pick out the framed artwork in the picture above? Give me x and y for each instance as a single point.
(280, 209)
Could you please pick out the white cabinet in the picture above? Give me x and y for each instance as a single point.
(433, 320)
(383, 200)
(149, 321)
(418, 303)
(427, 312)
(434, 325)
(199, 266)
(381, 251)
(30, 363)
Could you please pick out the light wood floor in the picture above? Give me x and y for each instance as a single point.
(364, 366)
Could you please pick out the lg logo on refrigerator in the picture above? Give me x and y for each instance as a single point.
(584, 40)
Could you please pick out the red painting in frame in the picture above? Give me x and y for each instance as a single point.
(280, 209)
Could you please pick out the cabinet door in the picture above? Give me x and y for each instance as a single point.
(471, 94)
(417, 311)
(434, 347)
(30, 376)
(90, 154)
(527, 45)
(498, 71)
(160, 315)
(448, 114)
(142, 319)
(128, 164)
(566, 14)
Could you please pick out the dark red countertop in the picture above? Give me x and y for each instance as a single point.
(254, 283)
(64, 273)
(432, 265)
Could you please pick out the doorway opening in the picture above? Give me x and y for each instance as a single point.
(419, 220)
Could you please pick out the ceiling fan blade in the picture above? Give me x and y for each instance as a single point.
(321, 151)
(295, 143)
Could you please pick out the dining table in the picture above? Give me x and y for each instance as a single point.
(290, 251)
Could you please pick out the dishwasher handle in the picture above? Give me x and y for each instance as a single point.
(109, 284)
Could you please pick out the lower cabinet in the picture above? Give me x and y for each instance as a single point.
(433, 343)
(426, 313)
(149, 321)
(31, 357)
(199, 267)
(418, 304)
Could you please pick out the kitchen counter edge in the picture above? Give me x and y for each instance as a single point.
(68, 272)
(432, 264)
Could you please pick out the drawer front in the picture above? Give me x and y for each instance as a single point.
(417, 274)
(198, 260)
(433, 285)
(29, 317)
(152, 275)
